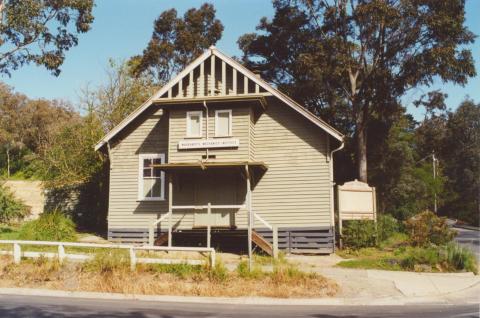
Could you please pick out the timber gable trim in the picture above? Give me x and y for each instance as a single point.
(206, 88)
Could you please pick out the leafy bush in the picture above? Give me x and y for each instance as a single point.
(50, 226)
(427, 228)
(460, 258)
(108, 261)
(387, 226)
(359, 233)
(363, 233)
(11, 209)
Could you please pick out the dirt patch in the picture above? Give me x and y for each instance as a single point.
(184, 280)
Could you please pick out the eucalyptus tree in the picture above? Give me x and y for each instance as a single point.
(176, 41)
(40, 32)
(355, 59)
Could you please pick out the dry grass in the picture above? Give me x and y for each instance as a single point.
(115, 276)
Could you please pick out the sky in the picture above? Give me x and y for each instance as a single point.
(122, 28)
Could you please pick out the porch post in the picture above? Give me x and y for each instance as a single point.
(170, 210)
(209, 230)
(249, 218)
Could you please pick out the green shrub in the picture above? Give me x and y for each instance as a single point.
(387, 226)
(179, 270)
(427, 228)
(219, 273)
(460, 259)
(11, 209)
(359, 234)
(420, 256)
(244, 272)
(50, 226)
(107, 261)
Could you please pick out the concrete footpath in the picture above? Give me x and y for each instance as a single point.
(358, 287)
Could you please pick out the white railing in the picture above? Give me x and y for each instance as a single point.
(274, 230)
(209, 207)
(62, 255)
(151, 229)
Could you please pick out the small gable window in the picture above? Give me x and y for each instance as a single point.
(194, 124)
(223, 123)
(151, 180)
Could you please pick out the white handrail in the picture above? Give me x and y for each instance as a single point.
(163, 217)
(17, 253)
(258, 217)
(274, 230)
(205, 207)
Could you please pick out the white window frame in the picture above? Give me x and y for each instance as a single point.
(141, 157)
(229, 111)
(189, 128)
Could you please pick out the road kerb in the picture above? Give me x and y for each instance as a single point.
(336, 301)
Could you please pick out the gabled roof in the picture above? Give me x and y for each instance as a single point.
(176, 86)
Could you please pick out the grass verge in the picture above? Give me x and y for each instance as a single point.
(111, 273)
(445, 258)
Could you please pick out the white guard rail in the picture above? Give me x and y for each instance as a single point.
(61, 255)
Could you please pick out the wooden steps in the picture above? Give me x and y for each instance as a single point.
(161, 239)
(261, 242)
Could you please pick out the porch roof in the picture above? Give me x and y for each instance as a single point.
(204, 165)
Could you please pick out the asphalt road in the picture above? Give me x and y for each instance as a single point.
(469, 239)
(50, 307)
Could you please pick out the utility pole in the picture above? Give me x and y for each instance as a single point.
(434, 162)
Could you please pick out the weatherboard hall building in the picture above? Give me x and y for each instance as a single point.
(218, 152)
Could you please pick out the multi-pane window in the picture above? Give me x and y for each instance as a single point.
(194, 124)
(223, 123)
(151, 178)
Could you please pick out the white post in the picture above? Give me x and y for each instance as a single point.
(61, 254)
(201, 90)
(275, 241)
(170, 211)
(212, 75)
(234, 75)
(133, 259)
(209, 228)
(151, 235)
(212, 259)
(224, 78)
(17, 253)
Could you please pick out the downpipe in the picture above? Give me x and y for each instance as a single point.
(332, 187)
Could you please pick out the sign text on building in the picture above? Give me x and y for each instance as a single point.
(208, 143)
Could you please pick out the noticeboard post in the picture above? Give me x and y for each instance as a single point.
(356, 201)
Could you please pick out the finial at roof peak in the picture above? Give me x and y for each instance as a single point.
(212, 47)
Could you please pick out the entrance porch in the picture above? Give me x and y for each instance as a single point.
(213, 196)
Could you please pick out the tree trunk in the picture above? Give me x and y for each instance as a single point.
(361, 146)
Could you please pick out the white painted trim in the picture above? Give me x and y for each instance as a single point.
(211, 53)
(189, 129)
(230, 119)
(141, 157)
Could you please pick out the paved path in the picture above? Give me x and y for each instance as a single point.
(470, 239)
(43, 307)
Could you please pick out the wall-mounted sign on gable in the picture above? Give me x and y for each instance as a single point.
(209, 143)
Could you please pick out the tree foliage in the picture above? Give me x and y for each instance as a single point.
(40, 32)
(176, 41)
(460, 158)
(121, 94)
(362, 54)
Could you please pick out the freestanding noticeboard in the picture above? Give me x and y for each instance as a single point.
(356, 201)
